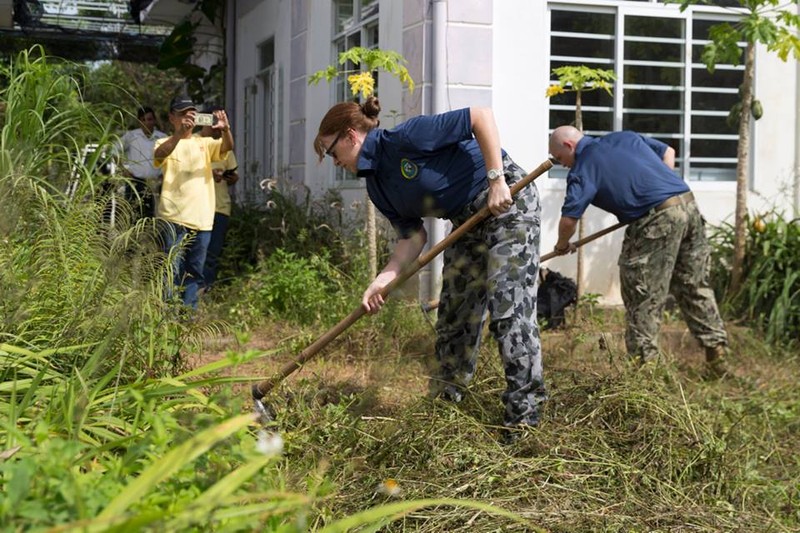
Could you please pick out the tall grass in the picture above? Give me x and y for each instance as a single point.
(100, 427)
(70, 277)
(86, 341)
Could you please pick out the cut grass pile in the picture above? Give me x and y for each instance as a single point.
(619, 448)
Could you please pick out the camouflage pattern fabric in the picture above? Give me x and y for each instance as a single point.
(667, 251)
(493, 269)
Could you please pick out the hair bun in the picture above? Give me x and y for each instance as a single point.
(371, 107)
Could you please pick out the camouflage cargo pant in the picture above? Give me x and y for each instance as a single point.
(667, 251)
(493, 268)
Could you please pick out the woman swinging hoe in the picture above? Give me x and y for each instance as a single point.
(449, 166)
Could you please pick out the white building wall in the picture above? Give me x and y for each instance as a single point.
(775, 135)
(319, 177)
(521, 74)
(498, 54)
(255, 23)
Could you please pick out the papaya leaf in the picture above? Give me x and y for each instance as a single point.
(760, 29)
(786, 43)
(723, 47)
(367, 61)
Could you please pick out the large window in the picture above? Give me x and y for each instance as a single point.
(261, 121)
(355, 23)
(662, 89)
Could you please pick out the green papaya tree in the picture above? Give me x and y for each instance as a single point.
(580, 79)
(359, 65)
(774, 25)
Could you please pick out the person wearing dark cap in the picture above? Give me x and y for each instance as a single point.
(188, 199)
(225, 175)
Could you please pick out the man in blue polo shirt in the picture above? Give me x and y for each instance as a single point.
(665, 247)
(449, 166)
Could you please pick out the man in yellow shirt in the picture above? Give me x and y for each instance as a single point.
(225, 175)
(188, 198)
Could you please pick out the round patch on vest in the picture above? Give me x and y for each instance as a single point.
(408, 168)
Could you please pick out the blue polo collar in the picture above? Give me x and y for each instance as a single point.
(369, 155)
(583, 143)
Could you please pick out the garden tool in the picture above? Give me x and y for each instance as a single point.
(259, 390)
(427, 307)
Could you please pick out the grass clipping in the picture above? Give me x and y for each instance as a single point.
(619, 449)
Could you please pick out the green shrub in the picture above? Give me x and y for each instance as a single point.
(769, 298)
(69, 276)
(285, 216)
(304, 290)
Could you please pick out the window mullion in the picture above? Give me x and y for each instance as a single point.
(687, 100)
(619, 69)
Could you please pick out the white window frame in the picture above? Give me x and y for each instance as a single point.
(261, 123)
(655, 8)
(359, 29)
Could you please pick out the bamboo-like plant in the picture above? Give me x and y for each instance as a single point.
(69, 276)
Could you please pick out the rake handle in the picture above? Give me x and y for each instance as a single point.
(430, 306)
(259, 390)
(586, 240)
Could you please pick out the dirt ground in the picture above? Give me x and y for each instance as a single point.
(592, 344)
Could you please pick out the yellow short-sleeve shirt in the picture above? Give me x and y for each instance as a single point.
(188, 197)
(223, 195)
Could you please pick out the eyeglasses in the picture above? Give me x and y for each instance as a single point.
(329, 151)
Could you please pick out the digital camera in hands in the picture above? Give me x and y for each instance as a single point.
(205, 119)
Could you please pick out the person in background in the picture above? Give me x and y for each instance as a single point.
(137, 145)
(665, 247)
(449, 166)
(188, 198)
(225, 175)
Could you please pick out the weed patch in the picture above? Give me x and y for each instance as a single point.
(769, 298)
(618, 449)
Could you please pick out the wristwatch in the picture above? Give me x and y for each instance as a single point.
(494, 173)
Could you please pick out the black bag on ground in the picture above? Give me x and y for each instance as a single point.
(556, 292)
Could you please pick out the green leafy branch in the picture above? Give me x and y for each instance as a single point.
(767, 23)
(366, 60)
(579, 79)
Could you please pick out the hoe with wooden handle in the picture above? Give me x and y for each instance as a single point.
(259, 390)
